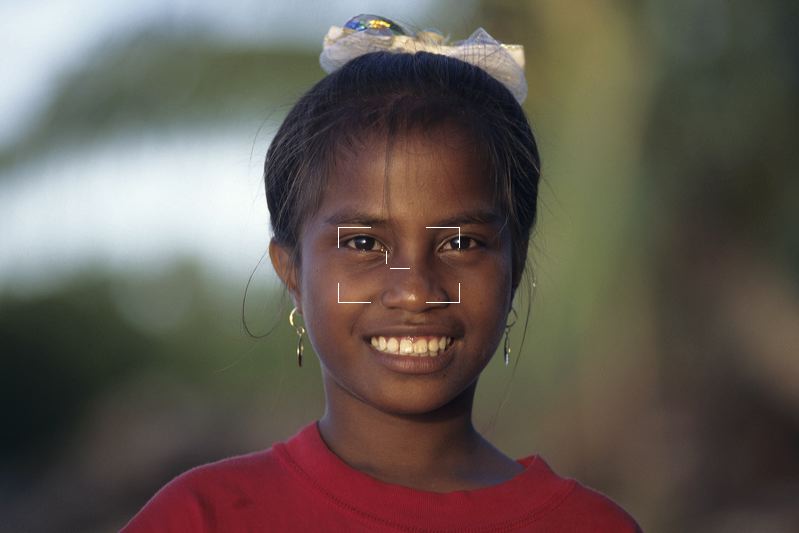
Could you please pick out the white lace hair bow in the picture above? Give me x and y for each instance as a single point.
(371, 33)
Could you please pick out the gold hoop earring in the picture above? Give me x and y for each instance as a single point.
(507, 335)
(300, 332)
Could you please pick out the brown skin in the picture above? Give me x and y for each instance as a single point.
(411, 429)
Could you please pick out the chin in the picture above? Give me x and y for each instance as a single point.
(416, 403)
(401, 395)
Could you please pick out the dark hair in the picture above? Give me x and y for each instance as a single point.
(392, 93)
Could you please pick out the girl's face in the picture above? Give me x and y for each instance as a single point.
(412, 274)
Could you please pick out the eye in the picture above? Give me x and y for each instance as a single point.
(364, 243)
(460, 243)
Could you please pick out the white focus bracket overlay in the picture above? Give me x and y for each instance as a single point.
(459, 240)
(338, 245)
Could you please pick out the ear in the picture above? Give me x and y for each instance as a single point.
(286, 270)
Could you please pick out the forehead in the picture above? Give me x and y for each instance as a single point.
(411, 174)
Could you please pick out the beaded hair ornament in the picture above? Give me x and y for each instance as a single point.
(371, 33)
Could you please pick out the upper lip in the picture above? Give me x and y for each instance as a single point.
(426, 330)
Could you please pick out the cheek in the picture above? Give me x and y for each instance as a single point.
(318, 300)
(329, 323)
(492, 282)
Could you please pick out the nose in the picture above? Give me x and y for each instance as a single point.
(415, 285)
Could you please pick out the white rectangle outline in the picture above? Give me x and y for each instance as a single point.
(338, 296)
(338, 245)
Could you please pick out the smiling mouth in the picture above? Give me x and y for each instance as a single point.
(421, 346)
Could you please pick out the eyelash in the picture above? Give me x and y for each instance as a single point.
(346, 243)
(382, 248)
(477, 243)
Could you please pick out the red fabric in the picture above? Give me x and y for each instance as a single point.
(300, 485)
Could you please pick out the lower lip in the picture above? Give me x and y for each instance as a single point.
(409, 364)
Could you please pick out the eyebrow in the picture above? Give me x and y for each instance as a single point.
(363, 218)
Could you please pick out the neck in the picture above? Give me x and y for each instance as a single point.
(438, 450)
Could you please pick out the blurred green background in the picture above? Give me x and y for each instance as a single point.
(661, 362)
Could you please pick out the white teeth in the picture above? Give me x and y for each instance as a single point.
(406, 346)
(413, 346)
(392, 345)
(420, 347)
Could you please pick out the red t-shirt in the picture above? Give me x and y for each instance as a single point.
(300, 485)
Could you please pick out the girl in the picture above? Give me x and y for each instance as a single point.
(402, 191)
